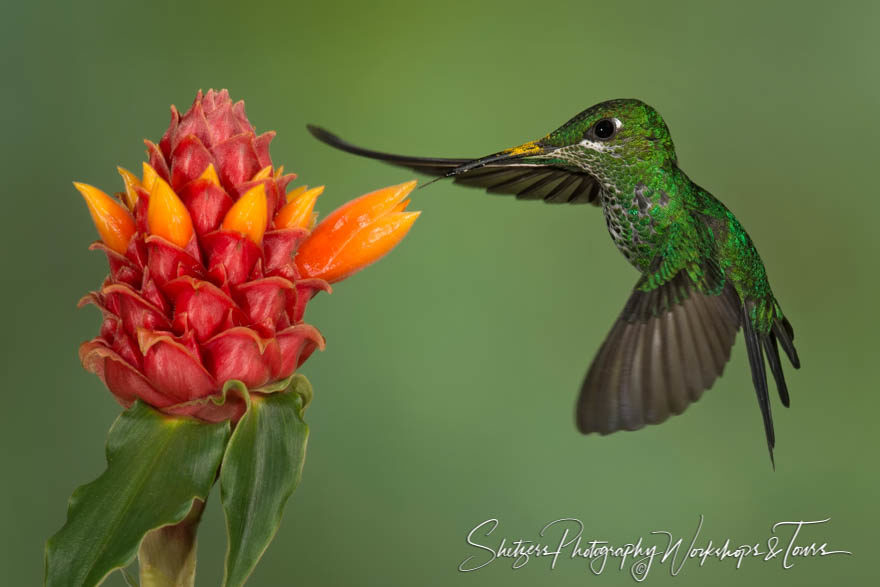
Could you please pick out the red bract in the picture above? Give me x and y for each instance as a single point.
(203, 286)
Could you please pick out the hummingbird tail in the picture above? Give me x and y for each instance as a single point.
(762, 345)
(771, 350)
(755, 350)
(785, 334)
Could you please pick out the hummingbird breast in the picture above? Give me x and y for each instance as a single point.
(632, 220)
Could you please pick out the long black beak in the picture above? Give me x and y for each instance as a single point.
(508, 156)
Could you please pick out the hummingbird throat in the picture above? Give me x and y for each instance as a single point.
(635, 198)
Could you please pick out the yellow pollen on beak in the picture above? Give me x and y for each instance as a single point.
(529, 148)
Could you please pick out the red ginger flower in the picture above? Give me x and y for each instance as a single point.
(205, 284)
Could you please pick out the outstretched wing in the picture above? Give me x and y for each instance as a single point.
(527, 182)
(668, 346)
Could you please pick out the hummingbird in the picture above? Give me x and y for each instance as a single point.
(701, 276)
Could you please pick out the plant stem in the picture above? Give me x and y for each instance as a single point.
(167, 555)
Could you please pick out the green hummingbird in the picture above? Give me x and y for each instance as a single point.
(701, 275)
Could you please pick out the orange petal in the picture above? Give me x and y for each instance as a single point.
(167, 216)
(296, 192)
(401, 206)
(249, 214)
(264, 173)
(210, 174)
(297, 213)
(131, 184)
(149, 178)
(345, 221)
(366, 247)
(114, 223)
(279, 172)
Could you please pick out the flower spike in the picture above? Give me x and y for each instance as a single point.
(202, 334)
(115, 225)
(215, 274)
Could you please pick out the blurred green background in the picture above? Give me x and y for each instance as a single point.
(445, 395)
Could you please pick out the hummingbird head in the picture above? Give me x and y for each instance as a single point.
(613, 130)
(606, 140)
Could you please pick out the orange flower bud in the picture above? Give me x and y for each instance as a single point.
(401, 206)
(296, 192)
(357, 234)
(249, 214)
(210, 174)
(131, 184)
(149, 177)
(297, 212)
(114, 224)
(166, 215)
(264, 173)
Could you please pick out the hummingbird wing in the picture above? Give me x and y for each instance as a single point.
(667, 346)
(553, 184)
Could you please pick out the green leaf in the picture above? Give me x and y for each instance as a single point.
(167, 555)
(129, 578)
(156, 466)
(261, 468)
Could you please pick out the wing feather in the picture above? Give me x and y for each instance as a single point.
(667, 347)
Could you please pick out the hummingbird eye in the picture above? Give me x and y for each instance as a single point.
(604, 129)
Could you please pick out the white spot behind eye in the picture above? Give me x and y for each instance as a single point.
(598, 146)
(603, 146)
